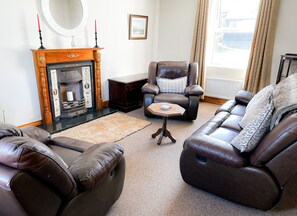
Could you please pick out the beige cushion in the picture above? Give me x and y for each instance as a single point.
(256, 104)
(253, 133)
(177, 85)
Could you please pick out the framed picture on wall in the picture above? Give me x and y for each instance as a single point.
(138, 25)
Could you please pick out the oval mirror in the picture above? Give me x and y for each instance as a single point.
(66, 17)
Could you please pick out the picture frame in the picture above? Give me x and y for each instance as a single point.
(138, 25)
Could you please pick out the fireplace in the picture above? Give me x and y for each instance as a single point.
(69, 82)
(71, 88)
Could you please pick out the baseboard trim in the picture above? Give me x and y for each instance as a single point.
(213, 100)
(36, 123)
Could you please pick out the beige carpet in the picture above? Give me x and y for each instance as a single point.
(110, 128)
(153, 184)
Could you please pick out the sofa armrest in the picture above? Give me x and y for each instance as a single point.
(36, 133)
(94, 164)
(215, 149)
(244, 97)
(71, 143)
(150, 88)
(193, 90)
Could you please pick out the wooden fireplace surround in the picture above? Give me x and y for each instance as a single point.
(42, 57)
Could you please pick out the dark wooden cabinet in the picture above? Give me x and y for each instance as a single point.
(125, 92)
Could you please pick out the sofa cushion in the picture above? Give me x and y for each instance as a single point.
(284, 98)
(256, 104)
(177, 85)
(249, 137)
(172, 69)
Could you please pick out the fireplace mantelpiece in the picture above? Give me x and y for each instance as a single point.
(52, 56)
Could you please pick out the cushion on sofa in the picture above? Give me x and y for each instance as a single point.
(177, 85)
(254, 131)
(256, 104)
(284, 98)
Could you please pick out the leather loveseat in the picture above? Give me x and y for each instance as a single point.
(59, 176)
(256, 178)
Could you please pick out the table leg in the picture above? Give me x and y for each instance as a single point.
(164, 132)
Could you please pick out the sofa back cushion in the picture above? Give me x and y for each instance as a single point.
(172, 69)
(34, 157)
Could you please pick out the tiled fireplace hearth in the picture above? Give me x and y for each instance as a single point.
(69, 82)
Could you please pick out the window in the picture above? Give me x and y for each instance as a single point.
(231, 28)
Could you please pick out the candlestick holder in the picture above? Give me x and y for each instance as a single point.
(96, 45)
(40, 37)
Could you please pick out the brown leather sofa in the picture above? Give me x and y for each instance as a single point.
(257, 178)
(59, 176)
(188, 98)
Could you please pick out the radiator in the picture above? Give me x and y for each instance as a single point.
(222, 88)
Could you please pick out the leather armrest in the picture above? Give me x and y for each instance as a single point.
(71, 143)
(216, 150)
(36, 133)
(150, 88)
(194, 90)
(94, 164)
(6, 175)
(244, 97)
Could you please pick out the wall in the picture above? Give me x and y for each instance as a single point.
(286, 34)
(18, 90)
(176, 28)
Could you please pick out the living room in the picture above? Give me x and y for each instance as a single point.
(169, 37)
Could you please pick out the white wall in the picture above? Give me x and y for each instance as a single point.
(286, 34)
(176, 28)
(18, 90)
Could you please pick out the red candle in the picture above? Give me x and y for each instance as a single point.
(38, 23)
(95, 26)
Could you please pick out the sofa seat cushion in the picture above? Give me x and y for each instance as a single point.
(215, 149)
(232, 122)
(224, 134)
(179, 99)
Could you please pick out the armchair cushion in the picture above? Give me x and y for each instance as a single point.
(177, 85)
(194, 90)
(95, 163)
(251, 135)
(172, 69)
(149, 88)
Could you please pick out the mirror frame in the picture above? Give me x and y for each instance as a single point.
(56, 27)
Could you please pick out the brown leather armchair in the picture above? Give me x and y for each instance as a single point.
(257, 178)
(187, 94)
(60, 176)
